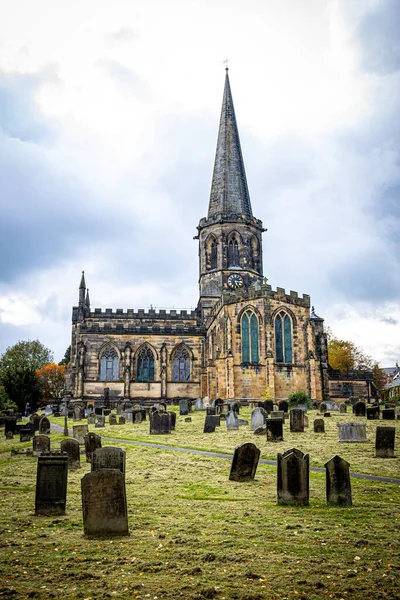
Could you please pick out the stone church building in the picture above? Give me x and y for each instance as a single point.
(243, 336)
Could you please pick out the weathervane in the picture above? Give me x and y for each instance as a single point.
(226, 64)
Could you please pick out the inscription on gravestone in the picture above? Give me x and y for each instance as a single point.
(296, 420)
(244, 462)
(79, 432)
(108, 458)
(338, 486)
(51, 484)
(352, 432)
(104, 503)
(160, 423)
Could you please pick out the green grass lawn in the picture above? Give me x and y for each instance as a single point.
(194, 534)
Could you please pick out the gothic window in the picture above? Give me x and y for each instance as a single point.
(283, 338)
(181, 365)
(145, 365)
(214, 254)
(249, 337)
(254, 253)
(109, 365)
(233, 253)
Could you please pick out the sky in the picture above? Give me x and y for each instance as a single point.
(109, 115)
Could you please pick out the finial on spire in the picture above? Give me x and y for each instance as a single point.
(226, 65)
(83, 283)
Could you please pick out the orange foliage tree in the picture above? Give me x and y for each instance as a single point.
(51, 381)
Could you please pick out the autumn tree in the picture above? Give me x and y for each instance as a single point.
(51, 382)
(345, 356)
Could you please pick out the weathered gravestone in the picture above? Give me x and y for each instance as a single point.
(327, 414)
(91, 419)
(277, 414)
(92, 442)
(25, 434)
(48, 410)
(112, 419)
(293, 477)
(211, 410)
(283, 405)
(274, 430)
(106, 412)
(172, 419)
(183, 407)
(359, 409)
(389, 414)
(338, 486)
(159, 423)
(268, 405)
(100, 421)
(77, 413)
(232, 421)
(98, 410)
(109, 457)
(35, 419)
(319, 426)
(296, 420)
(40, 445)
(137, 416)
(128, 416)
(79, 432)
(343, 408)
(198, 405)
(51, 484)
(210, 424)
(352, 432)
(244, 462)
(257, 418)
(9, 435)
(305, 421)
(10, 425)
(188, 419)
(44, 426)
(372, 412)
(384, 442)
(72, 449)
(104, 503)
(121, 420)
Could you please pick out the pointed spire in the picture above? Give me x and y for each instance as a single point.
(82, 284)
(87, 299)
(229, 191)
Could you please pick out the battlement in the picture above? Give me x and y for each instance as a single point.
(157, 328)
(153, 313)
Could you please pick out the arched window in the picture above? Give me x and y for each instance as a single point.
(254, 260)
(233, 253)
(249, 337)
(145, 365)
(214, 255)
(181, 365)
(109, 365)
(283, 338)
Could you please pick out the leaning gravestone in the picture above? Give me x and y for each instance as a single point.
(296, 420)
(319, 426)
(210, 424)
(389, 414)
(160, 423)
(79, 432)
(352, 432)
(72, 449)
(244, 462)
(44, 426)
(183, 407)
(257, 418)
(104, 503)
(359, 409)
(274, 430)
(384, 442)
(100, 421)
(232, 421)
(293, 477)
(172, 419)
(41, 444)
(51, 484)
(109, 457)
(92, 442)
(338, 486)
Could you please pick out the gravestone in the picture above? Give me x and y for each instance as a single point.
(160, 423)
(121, 420)
(293, 477)
(9, 435)
(48, 410)
(91, 419)
(274, 430)
(183, 407)
(51, 484)
(232, 421)
(326, 414)
(260, 431)
(211, 410)
(44, 426)
(372, 412)
(283, 405)
(109, 457)
(119, 408)
(40, 445)
(359, 409)
(79, 432)
(98, 410)
(296, 420)
(172, 419)
(112, 419)
(389, 414)
(77, 413)
(72, 449)
(210, 424)
(137, 416)
(106, 412)
(338, 486)
(25, 434)
(104, 505)
(100, 421)
(188, 419)
(198, 405)
(244, 462)
(92, 442)
(343, 408)
(277, 414)
(352, 432)
(268, 405)
(257, 418)
(35, 419)
(162, 406)
(305, 421)
(384, 442)
(319, 426)
(128, 416)
(219, 403)
(234, 406)
(10, 425)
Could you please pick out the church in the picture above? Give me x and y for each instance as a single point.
(242, 338)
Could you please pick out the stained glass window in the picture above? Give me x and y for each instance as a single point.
(249, 337)
(145, 365)
(109, 365)
(283, 338)
(181, 368)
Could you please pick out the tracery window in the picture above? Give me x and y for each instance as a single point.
(283, 338)
(109, 365)
(181, 365)
(249, 337)
(233, 253)
(213, 255)
(145, 365)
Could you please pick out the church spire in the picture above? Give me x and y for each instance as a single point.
(229, 191)
(82, 289)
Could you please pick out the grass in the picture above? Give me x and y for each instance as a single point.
(196, 535)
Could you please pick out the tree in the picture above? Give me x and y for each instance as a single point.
(51, 381)
(378, 376)
(67, 356)
(5, 401)
(17, 371)
(345, 356)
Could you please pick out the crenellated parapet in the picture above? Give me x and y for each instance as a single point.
(142, 315)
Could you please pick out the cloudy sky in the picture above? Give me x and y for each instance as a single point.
(109, 113)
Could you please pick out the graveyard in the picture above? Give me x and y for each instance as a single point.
(189, 527)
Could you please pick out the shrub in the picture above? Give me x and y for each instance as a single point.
(299, 397)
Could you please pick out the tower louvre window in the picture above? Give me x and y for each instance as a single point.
(145, 365)
(249, 337)
(181, 365)
(233, 253)
(214, 254)
(283, 338)
(109, 365)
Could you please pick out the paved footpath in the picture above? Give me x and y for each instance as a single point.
(262, 461)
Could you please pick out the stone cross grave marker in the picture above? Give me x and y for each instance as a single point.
(338, 486)
(92, 442)
(384, 442)
(40, 444)
(352, 432)
(293, 477)
(104, 505)
(319, 426)
(296, 420)
(244, 462)
(44, 426)
(79, 432)
(232, 421)
(71, 447)
(275, 430)
(257, 418)
(109, 457)
(51, 484)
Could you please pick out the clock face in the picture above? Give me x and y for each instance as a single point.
(235, 281)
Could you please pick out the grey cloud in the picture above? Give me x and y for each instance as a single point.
(125, 34)
(123, 76)
(389, 320)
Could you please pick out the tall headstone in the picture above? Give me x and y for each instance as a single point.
(160, 423)
(244, 462)
(296, 420)
(92, 442)
(79, 432)
(72, 449)
(41, 444)
(44, 426)
(104, 505)
(359, 409)
(210, 423)
(51, 484)
(338, 486)
(293, 477)
(384, 442)
(183, 407)
(257, 418)
(274, 430)
(352, 432)
(232, 420)
(319, 426)
(109, 457)
(172, 419)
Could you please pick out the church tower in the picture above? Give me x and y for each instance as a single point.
(230, 238)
